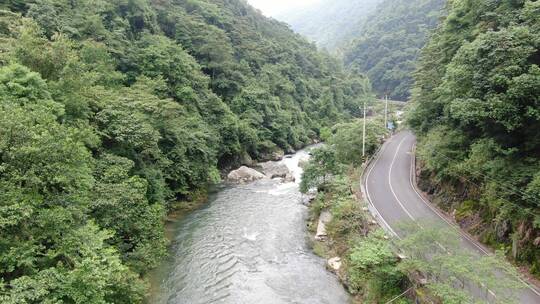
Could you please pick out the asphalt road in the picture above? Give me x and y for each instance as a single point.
(389, 185)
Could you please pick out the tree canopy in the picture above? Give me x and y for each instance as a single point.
(332, 24)
(387, 45)
(111, 110)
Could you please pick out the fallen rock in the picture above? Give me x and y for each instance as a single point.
(244, 175)
(334, 264)
(324, 219)
(277, 170)
(289, 179)
(278, 155)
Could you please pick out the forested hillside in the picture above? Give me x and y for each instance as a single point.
(111, 110)
(477, 112)
(332, 24)
(388, 44)
(380, 38)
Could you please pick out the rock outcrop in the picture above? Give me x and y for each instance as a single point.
(244, 175)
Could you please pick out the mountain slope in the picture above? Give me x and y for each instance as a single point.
(332, 24)
(388, 44)
(380, 38)
(110, 111)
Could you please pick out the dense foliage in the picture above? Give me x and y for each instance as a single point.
(388, 44)
(477, 111)
(343, 148)
(110, 110)
(332, 24)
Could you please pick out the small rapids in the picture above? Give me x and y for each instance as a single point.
(248, 245)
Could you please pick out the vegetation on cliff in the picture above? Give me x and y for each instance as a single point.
(388, 44)
(477, 112)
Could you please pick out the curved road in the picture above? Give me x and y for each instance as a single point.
(393, 197)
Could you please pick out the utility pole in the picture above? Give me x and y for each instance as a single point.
(364, 133)
(386, 112)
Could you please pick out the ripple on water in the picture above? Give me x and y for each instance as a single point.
(248, 245)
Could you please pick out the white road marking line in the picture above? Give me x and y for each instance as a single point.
(369, 196)
(425, 202)
(390, 181)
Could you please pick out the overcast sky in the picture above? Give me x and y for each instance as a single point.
(273, 7)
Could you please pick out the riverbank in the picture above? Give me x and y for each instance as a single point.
(355, 247)
(351, 235)
(247, 245)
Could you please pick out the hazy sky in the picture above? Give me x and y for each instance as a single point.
(273, 7)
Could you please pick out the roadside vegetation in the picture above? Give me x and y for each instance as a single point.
(376, 267)
(476, 111)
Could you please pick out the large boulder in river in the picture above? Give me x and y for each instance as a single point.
(277, 170)
(274, 169)
(244, 175)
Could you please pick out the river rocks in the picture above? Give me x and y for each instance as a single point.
(245, 175)
(309, 197)
(276, 170)
(277, 155)
(334, 264)
(274, 155)
(290, 150)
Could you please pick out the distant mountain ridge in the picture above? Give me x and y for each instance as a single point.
(380, 38)
(330, 23)
(388, 46)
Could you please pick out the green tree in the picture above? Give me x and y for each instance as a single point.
(373, 267)
(322, 166)
(388, 44)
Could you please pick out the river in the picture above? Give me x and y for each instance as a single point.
(248, 245)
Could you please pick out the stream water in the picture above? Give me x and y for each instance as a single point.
(248, 245)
